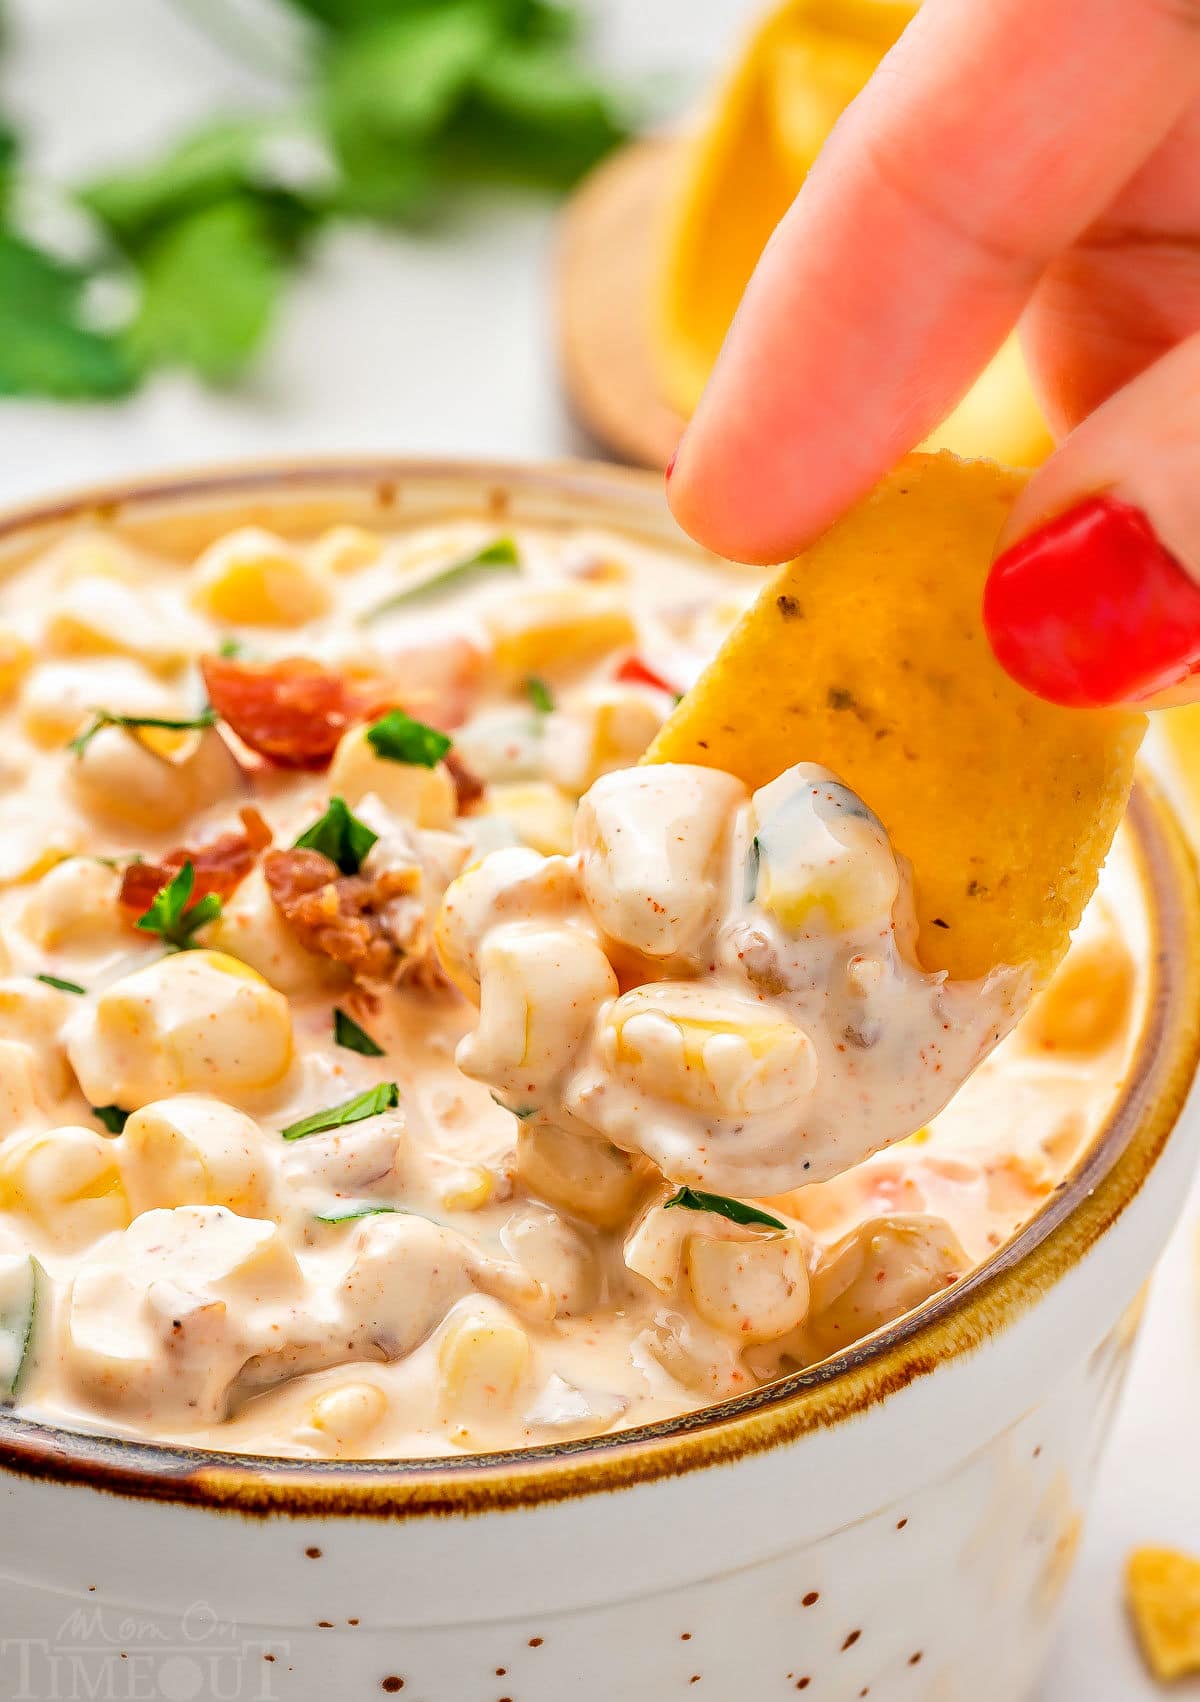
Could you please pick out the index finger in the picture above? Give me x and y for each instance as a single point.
(991, 136)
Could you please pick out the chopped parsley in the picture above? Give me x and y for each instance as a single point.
(173, 916)
(737, 1211)
(63, 986)
(349, 1214)
(340, 836)
(498, 556)
(347, 1033)
(384, 1097)
(102, 718)
(539, 695)
(398, 738)
(113, 1118)
(753, 864)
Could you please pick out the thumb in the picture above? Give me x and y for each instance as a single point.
(1094, 597)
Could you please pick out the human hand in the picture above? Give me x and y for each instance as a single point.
(1032, 159)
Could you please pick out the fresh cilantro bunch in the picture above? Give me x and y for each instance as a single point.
(397, 104)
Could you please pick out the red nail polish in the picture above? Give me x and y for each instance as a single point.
(671, 465)
(1092, 609)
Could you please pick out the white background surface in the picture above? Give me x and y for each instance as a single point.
(442, 344)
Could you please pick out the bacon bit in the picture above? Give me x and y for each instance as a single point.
(292, 712)
(220, 866)
(633, 671)
(339, 916)
(468, 787)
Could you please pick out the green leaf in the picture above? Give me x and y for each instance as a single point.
(737, 1211)
(210, 284)
(384, 1097)
(353, 1212)
(340, 836)
(22, 1281)
(500, 556)
(398, 738)
(106, 718)
(112, 1117)
(63, 986)
(46, 349)
(218, 163)
(539, 695)
(347, 1033)
(535, 115)
(402, 77)
(172, 915)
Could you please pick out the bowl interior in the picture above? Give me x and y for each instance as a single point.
(178, 517)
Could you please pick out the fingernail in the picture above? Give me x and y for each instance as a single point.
(671, 465)
(1092, 609)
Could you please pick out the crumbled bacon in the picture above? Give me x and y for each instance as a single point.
(468, 787)
(292, 712)
(220, 866)
(349, 918)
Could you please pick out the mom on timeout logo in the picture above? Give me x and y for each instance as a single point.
(99, 1656)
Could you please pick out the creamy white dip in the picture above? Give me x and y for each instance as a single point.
(534, 1095)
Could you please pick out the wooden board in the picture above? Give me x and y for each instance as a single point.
(604, 289)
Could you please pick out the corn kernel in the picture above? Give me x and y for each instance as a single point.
(58, 698)
(75, 902)
(553, 630)
(198, 1021)
(542, 815)
(192, 1150)
(348, 1412)
(252, 578)
(469, 1189)
(15, 658)
(425, 796)
(581, 1174)
(1086, 1008)
(483, 1356)
(346, 549)
(65, 1181)
(717, 1053)
(97, 615)
(755, 1289)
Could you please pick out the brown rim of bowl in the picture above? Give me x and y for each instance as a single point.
(1084, 1206)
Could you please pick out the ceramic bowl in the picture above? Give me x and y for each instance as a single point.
(896, 1523)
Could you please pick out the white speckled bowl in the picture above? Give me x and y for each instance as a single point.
(896, 1523)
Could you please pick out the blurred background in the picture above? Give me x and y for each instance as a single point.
(238, 228)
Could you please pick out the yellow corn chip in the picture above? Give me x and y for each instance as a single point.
(1163, 1591)
(868, 655)
(799, 70)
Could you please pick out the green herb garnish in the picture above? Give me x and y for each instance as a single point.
(173, 916)
(113, 1118)
(352, 1212)
(737, 1211)
(750, 878)
(498, 556)
(63, 986)
(105, 718)
(398, 738)
(231, 647)
(347, 1033)
(384, 1097)
(383, 110)
(539, 695)
(340, 836)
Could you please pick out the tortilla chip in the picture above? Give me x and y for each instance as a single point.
(867, 654)
(1163, 1591)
